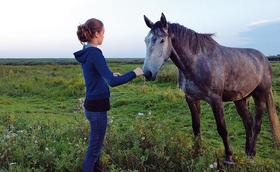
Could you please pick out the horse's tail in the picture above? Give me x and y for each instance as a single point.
(273, 118)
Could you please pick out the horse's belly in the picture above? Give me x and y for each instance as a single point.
(239, 91)
(234, 95)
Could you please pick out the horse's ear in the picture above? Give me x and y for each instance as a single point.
(163, 20)
(148, 22)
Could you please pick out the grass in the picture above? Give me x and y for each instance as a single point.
(43, 128)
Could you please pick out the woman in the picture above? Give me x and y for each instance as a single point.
(97, 77)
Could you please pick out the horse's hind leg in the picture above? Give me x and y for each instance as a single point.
(194, 106)
(242, 109)
(260, 104)
(218, 110)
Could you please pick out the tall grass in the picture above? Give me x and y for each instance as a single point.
(43, 128)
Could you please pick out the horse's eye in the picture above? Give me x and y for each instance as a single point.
(162, 41)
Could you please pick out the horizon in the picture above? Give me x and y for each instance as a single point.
(48, 29)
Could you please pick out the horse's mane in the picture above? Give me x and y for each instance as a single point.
(196, 41)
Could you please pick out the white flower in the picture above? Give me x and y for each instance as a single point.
(215, 165)
(9, 135)
(140, 113)
(47, 149)
(20, 131)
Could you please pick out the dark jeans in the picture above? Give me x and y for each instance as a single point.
(98, 125)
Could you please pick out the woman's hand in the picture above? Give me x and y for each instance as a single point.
(138, 71)
(117, 74)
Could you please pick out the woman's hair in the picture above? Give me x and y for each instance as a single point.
(87, 30)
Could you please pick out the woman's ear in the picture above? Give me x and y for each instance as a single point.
(96, 35)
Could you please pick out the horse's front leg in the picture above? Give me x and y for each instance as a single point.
(194, 106)
(218, 110)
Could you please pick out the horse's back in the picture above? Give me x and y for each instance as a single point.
(246, 61)
(236, 72)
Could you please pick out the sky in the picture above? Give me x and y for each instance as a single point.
(47, 28)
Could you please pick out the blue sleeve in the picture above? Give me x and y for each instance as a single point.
(103, 69)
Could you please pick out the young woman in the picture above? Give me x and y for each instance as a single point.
(97, 77)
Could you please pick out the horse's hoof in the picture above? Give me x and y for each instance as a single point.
(226, 162)
(250, 157)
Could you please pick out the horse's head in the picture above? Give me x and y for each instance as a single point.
(158, 47)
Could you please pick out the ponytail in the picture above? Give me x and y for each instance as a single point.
(87, 31)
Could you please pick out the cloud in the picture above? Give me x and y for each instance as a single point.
(264, 37)
(263, 22)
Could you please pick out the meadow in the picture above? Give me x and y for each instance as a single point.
(43, 128)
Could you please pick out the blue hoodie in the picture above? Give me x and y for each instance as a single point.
(97, 74)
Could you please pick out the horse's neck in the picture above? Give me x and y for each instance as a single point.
(182, 59)
(176, 60)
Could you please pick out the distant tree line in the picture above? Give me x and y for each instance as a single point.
(61, 61)
(72, 61)
(274, 58)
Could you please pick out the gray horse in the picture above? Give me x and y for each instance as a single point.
(214, 73)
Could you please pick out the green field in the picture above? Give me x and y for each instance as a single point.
(43, 128)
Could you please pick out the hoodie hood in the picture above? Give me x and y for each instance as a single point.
(81, 56)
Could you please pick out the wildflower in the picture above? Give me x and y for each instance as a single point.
(214, 165)
(20, 131)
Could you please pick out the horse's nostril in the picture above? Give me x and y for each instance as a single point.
(148, 75)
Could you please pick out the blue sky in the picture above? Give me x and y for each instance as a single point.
(37, 28)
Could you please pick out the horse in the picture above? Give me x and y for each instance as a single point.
(214, 73)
